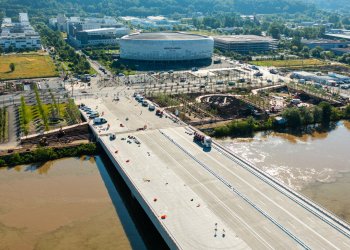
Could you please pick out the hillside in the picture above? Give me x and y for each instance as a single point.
(331, 4)
(152, 7)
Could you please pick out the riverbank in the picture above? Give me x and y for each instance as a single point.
(292, 119)
(44, 154)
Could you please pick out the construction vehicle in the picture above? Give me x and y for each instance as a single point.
(204, 140)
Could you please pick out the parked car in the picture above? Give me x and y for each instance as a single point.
(94, 115)
(151, 107)
(99, 121)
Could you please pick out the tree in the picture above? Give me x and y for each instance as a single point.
(326, 112)
(316, 52)
(347, 112)
(292, 115)
(306, 116)
(274, 30)
(12, 67)
(317, 111)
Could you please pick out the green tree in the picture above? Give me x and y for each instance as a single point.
(326, 111)
(347, 112)
(317, 113)
(306, 116)
(292, 115)
(12, 67)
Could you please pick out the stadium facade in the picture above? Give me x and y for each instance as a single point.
(166, 46)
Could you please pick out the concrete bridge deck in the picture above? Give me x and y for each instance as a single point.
(210, 200)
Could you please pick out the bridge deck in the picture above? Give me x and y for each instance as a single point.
(211, 199)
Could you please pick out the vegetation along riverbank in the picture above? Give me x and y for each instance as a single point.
(292, 118)
(44, 154)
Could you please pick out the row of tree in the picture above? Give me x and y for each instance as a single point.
(50, 38)
(46, 154)
(295, 118)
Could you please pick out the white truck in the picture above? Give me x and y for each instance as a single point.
(204, 140)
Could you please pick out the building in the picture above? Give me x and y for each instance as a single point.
(102, 36)
(166, 46)
(325, 44)
(245, 44)
(341, 51)
(320, 78)
(19, 36)
(90, 31)
(338, 34)
(152, 22)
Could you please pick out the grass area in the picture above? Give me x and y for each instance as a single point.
(293, 63)
(64, 35)
(29, 65)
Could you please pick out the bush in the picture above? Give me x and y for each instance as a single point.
(292, 115)
(46, 154)
(347, 112)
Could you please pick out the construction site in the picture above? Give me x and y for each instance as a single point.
(201, 109)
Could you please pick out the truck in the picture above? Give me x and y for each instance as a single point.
(203, 140)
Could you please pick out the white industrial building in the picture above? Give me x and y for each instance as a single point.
(245, 44)
(320, 78)
(19, 36)
(166, 46)
(155, 22)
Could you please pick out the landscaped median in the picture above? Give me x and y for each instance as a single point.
(3, 125)
(43, 154)
(44, 117)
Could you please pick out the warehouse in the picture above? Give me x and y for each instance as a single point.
(166, 46)
(325, 44)
(245, 44)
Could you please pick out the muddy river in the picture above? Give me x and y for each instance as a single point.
(61, 204)
(317, 164)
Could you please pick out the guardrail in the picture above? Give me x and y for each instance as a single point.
(277, 185)
(226, 183)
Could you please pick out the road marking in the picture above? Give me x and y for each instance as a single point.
(255, 234)
(257, 190)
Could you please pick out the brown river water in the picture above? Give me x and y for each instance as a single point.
(62, 204)
(317, 164)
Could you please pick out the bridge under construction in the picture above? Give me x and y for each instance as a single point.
(206, 198)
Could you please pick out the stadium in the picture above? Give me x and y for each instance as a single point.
(166, 47)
